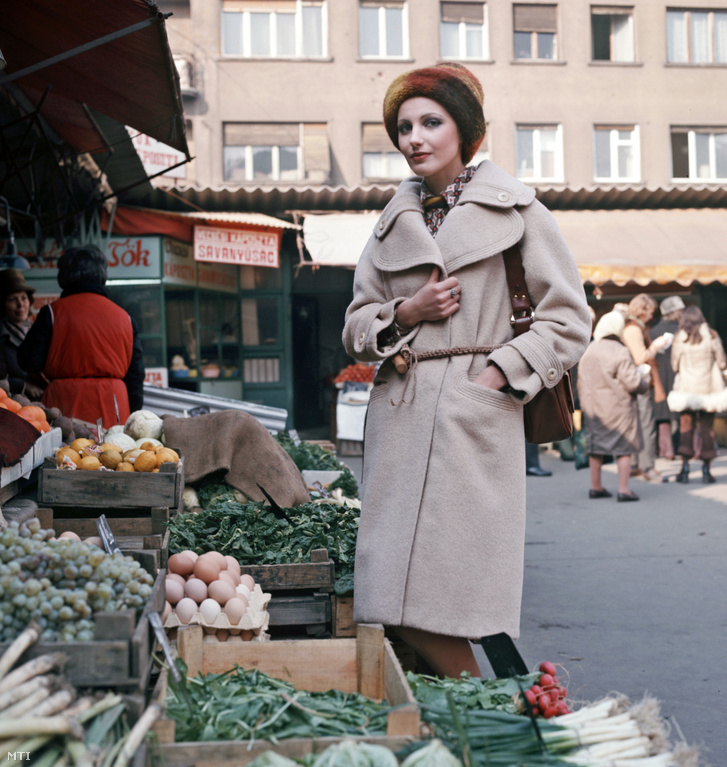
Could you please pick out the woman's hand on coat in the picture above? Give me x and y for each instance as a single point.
(658, 344)
(491, 378)
(433, 301)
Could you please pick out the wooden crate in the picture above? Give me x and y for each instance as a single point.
(120, 655)
(145, 530)
(366, 664)
(342, 623)
(60, 488)
(318, 574)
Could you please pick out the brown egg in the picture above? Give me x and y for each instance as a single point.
(220, 591)
(222, 634)
(247, 635)
(206, 568)
(235, 608)
(70, 534)
(175, 591)
(232, 564)
(185, 609)
(167, 611)
(229, 577)
(94, 540)
(220, 559)
(176, 577)
(180, 564)
(193, 555)
(196, 589)
(248, 581)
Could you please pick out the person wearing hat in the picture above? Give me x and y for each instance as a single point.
(441, 542)
(16, 298)
(87, 346)
(667, 423)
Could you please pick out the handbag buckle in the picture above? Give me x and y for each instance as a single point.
(525, 314)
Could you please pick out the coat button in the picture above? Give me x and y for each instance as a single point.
(551, 374)
(503, 197)
(382, 224)
(361, 338)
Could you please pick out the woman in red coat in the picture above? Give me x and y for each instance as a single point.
(86, 345)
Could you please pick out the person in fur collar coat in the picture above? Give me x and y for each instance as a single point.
(698, 359)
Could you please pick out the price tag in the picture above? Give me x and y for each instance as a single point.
(107, 537)
(294, 436)
(100, 431)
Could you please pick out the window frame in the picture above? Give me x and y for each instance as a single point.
(462, 33)
(687, 42)
(692, 159)
(381, 6)
(534, 57)
(558, 163)
(614, 143)
(246, 33)
(611, 12)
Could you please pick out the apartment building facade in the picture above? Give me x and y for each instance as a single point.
(615, 112)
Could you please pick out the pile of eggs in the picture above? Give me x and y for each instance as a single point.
(210, 584)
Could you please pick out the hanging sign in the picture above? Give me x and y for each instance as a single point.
(157, 158)
(243, 247)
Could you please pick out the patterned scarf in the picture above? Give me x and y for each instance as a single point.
(436, 207)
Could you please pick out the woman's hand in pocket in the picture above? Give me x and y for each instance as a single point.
(491, 378)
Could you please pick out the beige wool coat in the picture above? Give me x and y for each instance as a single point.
(441, 540)
(608, 381)
(698, 383)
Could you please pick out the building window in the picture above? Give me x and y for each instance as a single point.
(539, 151)
(699, 154)
(616, 153)
(696, 37)
(535, 29)
(612, 34)
(381, 159)
(274, 28)
(270, 152)
(463, 30)
(383, 29)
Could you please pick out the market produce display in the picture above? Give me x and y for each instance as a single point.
(308, 456)
(359, 371)
(43, 721)
(250, 705)
(254, 535)
(41, 417)
(86, 454)
(209, 590)
(61, 583)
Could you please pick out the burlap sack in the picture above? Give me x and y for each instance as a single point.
(236, 442)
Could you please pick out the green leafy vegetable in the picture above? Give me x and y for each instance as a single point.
(252, 534)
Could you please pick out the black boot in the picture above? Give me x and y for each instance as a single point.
(683, 475)
(707, 478)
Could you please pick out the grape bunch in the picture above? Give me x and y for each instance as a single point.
(61, 583)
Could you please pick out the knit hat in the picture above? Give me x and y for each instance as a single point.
(611, 324)
(12, 281)
(671, 304)
(449, 84)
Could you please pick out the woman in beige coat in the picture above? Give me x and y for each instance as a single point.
(698, 360)
(608, 382)
(440, 546)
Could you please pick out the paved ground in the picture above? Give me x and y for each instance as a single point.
(631, 597)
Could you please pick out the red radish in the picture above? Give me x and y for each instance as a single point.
(546, 680)
(561, 708)
(530, 697)
(548, 668)
(537, 689)
(550, 712)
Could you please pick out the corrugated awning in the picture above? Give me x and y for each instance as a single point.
(617, 246)
(112, 56)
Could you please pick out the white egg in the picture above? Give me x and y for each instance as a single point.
(244, 590)
(209, 610)
(185, 609)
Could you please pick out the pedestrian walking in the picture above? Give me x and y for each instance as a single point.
(440, 546)
(698, 360)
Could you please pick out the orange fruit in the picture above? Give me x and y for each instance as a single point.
(146, 461)
(13, 405)
(89, 463)
(110, 458)
(3, 406)
(166, 455)
(125, 466)
(44, 426)
(70, 452)
(33, 423)
(35, 412)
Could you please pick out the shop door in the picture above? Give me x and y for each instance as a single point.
(307, 411)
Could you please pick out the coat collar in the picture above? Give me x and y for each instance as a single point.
(491, 195)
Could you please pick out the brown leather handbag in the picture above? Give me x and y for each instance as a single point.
(548, 416)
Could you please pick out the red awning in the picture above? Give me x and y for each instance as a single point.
(130, 76)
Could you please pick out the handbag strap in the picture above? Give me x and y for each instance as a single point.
(522, 309)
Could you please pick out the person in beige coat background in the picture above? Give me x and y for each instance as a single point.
(698, 359)
(440, 547)
(608, 382)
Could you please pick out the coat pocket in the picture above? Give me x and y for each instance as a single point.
(492, 397)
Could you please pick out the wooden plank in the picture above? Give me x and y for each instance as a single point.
(370, 660)
(298, 575)
(343, 624)
(118, 625)
(299, 610)
(121, 527)
(103, 489)
(404, 719)
(241, 753)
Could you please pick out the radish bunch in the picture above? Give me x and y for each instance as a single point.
(547, 697)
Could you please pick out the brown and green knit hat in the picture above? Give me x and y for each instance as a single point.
(449, 84)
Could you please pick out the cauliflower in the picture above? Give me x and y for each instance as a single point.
(144, 423)
(121, 440)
